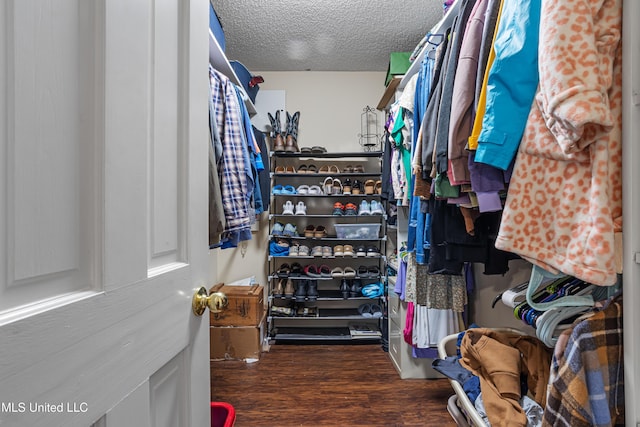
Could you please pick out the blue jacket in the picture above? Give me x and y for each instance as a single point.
(512, 83)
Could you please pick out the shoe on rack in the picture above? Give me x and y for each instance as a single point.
(336, 187)
(283, 243)
(373, 271)
(288, 289)
(346, 186)
(312, 290)
(356, 188)
(324, 270)
(337, 273)
(349, 273)
(369, 186)
(289, 189)
(363, 271)
(301, 208)
(327, 185)
(327, 252)
(301, 291)
(293, 249)
(290, 230)
(278, 292)
(348, 251)
(315, 190)
(338, 209)
(287, 208)
(309, 230)
(316, 251)
(376, 310)
(291, 141)
(295, 270)
(277, 136)
(320, 232)
(350, 210)
(365, 310)
(338, 250)
(361, 251)
(345, 289)
(303, 250)
(365, 208)
(356, 288)
(377, 188)
(311, 271)
(376, 208)
(372, 251)
(283, 271)
(278, 229)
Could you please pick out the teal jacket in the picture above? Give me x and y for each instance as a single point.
(512, 83)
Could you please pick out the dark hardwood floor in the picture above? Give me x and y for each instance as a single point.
(328, 385)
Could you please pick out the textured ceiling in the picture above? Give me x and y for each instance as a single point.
(323, 35)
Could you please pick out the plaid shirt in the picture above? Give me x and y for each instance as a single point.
(586, 382)
(232, 167)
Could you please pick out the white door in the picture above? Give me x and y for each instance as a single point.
(103, 212)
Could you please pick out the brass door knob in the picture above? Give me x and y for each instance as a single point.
(216, 302)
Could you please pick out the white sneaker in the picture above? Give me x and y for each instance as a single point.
(287, 208)
(376, 208)
(301, 209)
(365, 209)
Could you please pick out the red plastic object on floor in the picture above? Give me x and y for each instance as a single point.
(222, 414)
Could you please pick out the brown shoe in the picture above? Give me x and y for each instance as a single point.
(290, 145)
(277, 136)
(279, 144)
(288, 289)
(291, 130)
(278, 292)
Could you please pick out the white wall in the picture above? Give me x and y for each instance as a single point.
(330, 105)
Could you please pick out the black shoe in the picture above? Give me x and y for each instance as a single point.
(312, 290)
(345, 288)
(296, 270)
(301, 291)
(356, 289)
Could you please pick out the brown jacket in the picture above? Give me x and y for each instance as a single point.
(499, 359)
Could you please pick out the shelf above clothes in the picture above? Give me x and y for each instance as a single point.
(219, 61)
(389, 92)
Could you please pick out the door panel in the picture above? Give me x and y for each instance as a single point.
(121, 415)
(168, 394)
(45, 136)
(103, 199)
(167, 228)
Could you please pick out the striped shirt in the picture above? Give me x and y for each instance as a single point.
(232, 168)
(586, 382)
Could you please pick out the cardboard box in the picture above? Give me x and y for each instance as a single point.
(246, 306)
(237, 342)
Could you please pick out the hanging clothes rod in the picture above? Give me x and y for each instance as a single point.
(439, 28)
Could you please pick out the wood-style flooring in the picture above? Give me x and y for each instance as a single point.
(328, 385)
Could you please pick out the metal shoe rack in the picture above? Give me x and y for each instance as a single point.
(327, 316)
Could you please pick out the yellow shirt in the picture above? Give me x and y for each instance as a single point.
(482, 101)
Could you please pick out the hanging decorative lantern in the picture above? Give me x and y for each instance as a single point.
(369, 137)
